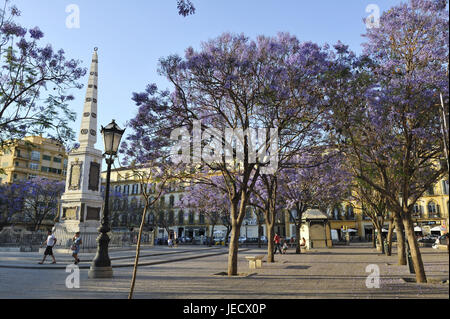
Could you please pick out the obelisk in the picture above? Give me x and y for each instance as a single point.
(81, 203)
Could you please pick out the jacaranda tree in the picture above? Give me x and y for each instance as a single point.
(34, 83)
(394, 138)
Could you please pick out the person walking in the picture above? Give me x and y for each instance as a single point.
(76, 242)
(50, 243)
(277, 241)
(285, 247)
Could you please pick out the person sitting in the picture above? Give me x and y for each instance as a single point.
(303, 242)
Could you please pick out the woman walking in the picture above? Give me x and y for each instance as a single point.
(76, 247)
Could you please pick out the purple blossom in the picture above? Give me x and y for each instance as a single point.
(36, 33)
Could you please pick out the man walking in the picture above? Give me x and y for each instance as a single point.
(51, 241)
(277, 241)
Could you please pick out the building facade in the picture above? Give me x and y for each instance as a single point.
(32, 157)
(127, 206)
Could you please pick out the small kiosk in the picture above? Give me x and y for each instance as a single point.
(316, 229)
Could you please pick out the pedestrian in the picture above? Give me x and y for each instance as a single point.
(170, 242)
(76, 242)
(50, 243)
(176, 240)
(277, 241)
(285, 247)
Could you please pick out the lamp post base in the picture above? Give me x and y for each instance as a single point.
(100, 272)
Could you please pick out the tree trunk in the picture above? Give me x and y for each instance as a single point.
(229, 228)
(259, 233)
(298, 249)
(270, 242)
(401, 252)
(233, 249)
(211, 238)
(389, 236)
(415, 251)
(380, 238)
(374, 240)
(138, 250)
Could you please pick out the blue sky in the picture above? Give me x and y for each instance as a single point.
(133, 35)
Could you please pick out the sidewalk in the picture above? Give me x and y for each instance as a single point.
(339, 272)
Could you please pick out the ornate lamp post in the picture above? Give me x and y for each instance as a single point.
(101, 265)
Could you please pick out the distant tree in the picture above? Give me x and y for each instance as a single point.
(312, 185)
(34, 81)
(211, 200)
(40, 199)
(11, 203)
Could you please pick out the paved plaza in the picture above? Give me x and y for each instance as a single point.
(193, 272)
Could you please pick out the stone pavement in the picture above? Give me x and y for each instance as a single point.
(191, 273)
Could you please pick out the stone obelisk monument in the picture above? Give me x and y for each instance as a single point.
(81, 203)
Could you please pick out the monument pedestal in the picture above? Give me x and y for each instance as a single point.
(64, 232)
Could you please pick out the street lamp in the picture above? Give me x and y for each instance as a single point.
(101, 265)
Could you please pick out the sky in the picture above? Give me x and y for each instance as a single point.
(133, 35)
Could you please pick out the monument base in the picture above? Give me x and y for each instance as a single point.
(100, 272)
(65, 231)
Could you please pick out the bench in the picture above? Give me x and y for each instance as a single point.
(255, 261)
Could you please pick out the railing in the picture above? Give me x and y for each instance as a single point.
(32, 241)
(26, 241)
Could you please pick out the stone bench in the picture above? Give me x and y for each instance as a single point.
(255, 261)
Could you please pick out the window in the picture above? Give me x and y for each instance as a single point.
(171, 218)
(430, 190)
(31, 176)
(433, 209)
(191, 217)
(417, 210)
(349, 212)
(126, 189)
(34, 166)
(445, 187)
(46, 157)
(57, 160)
(65, 163)
(35, 156)
(171, 201)
(201, 218)
(117, 188)
(135, 189)
(181, 217)
(16, 164)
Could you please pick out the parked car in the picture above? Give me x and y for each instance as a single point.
(427, 239)
(242, 240)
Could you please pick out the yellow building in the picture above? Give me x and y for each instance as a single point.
(34, 156)
(430, 213)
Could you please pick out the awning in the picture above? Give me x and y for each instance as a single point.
(437, 228)
(384, 230)
(417, 228)
(350, 230)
